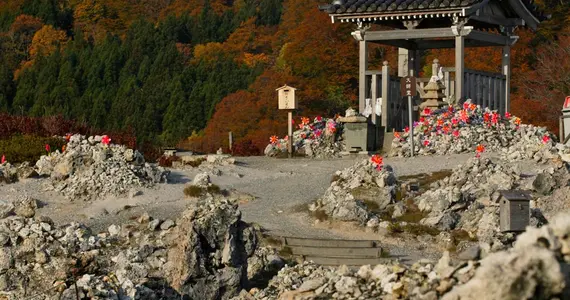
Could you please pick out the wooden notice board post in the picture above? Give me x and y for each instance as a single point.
(288, 101)
(408, 89)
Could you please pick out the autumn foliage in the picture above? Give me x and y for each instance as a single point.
(189, 72)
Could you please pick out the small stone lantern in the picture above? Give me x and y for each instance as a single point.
(433, 97)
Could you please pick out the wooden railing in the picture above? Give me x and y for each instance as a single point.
(483, 88)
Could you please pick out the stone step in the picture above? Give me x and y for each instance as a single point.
(290, 241)
(337, 261)
(337, 252)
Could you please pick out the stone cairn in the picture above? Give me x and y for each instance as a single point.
(88, 169)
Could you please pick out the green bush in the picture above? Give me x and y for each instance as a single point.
(21, 148)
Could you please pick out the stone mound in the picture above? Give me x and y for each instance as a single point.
(536, 268)
(11, 173)
(209, 253)
(453, 130)
(356, 190)
(88, 169)
(322, 138)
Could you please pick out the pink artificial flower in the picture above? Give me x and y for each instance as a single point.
(545, 139)
(3, 160)
(508, 115)
(318, 132)
(105, 140)
(48, 148)
(454, 121)
(286, 138)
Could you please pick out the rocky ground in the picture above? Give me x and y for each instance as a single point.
(197, 243)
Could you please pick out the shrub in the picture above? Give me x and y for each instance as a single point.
(193, 191)
(21, 148)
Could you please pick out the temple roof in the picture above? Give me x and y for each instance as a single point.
(380, 10)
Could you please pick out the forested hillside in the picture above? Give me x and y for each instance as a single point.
(171, 69)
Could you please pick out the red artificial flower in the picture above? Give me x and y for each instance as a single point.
(422, 119)
(454, 121)
(545, 139)
(293, 121)
(105, 140)
(47, 148)
(273, 139)
(486, 117)
(378, 161)
(495, 118)
(3, 160)
(426, 143)
(67, 137)
(407, 129)
(508, 115)
(303, 135)
(450, 108)
(319, 118)
(427, 111)
(465, 105)
(456, 133)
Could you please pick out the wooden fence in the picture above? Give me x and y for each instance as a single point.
(483, 88)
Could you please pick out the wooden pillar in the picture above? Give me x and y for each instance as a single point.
(362, 67)
(373, 96)
(459, 67)
(507, 72)
(412, 63)
(403, 62)
(385, 94)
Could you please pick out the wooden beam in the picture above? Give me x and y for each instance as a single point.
(490, 38)
(362, 67)
(428, 33)
(498, 20)
(404, 44)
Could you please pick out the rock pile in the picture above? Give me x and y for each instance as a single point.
(322, 138)
(88, 168)
(11, 173)
(461, 129)
(536, 268)
(469, 198)
(207, 254)
(356, 191)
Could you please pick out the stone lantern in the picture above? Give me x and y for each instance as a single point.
(433, 97)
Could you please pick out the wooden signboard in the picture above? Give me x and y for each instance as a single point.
(286, 96)
(408, 86)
